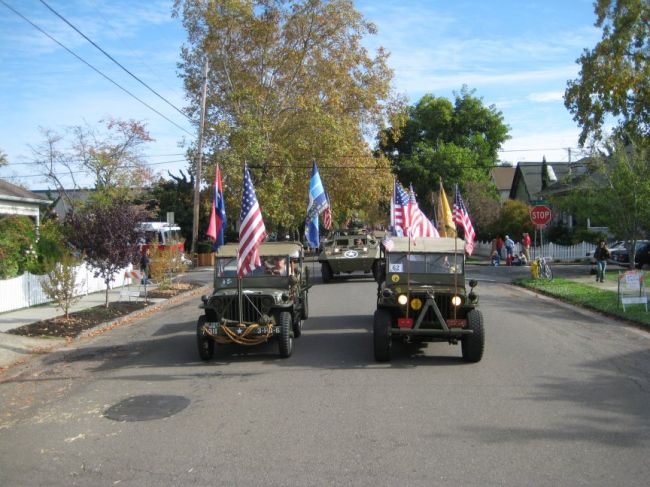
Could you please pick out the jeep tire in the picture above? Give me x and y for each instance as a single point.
(472, 344)
(285, 339)
(326, 272)
(204, 342)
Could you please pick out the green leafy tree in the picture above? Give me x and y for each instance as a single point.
(514, 220)
(614, 75)
(456, 142)
(288, 82)
(17, 239)
(176, 195)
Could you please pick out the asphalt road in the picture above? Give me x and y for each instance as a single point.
(560, 398)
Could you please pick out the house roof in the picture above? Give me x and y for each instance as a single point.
(530, 180)
(503, 176)
(11, 192)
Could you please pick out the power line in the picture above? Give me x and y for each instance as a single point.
(115, 61)
(94, 68)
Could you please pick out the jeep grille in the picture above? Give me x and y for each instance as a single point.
(445, 307)
(252, 308)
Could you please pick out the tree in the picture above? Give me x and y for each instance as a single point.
(17, 241)
(111, 157)
(61, 283)
(615, 75)
(107, 236)
(175, 194)
(3, 159)
(455, 142)
(514, 219)
(618, 188)
(484, 209)
(289, 81)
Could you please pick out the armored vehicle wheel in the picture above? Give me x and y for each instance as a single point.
(381, 335)
(204, 342)
(285, 339)
(472, 345)
(326, 272)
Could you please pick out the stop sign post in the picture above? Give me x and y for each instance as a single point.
(540, 215)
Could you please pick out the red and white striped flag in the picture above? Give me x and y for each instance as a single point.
(461, 218)
(421, 226)
(252, 230)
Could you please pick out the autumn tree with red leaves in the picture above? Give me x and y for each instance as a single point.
(107, 236)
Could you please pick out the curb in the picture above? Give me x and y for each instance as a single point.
(40, 353)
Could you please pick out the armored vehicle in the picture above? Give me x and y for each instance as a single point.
(422, 297)
(269, 303)
(348, 253)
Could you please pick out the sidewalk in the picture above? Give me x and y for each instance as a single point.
(15, 348)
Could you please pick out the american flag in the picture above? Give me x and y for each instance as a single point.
(421, 226)
(327, 214)
(400, 208)
(252, 230)
(461, 218)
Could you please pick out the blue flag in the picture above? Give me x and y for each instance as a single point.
(317, 203)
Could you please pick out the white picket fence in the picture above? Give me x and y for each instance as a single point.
(25, 291)
(572, 253)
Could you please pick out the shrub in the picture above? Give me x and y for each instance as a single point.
(60, 283)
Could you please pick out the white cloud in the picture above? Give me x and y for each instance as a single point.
(546, 96)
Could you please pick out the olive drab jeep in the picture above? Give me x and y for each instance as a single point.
(422, 297)
(269, 303)
(348, 253)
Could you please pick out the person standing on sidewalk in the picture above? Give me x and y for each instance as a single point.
(145, 264)
(525, 242)
(601, 255)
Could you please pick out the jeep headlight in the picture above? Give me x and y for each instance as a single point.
(267, 302)
(416, 304)
(402, 299)
(456, 300)
(336, 250)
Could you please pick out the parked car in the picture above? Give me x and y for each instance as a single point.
(621, 255)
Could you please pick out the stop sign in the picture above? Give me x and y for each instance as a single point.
(540, 215)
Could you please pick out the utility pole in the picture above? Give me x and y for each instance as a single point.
(199, 162)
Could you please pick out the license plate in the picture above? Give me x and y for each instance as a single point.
(404, 322)
(456, 323)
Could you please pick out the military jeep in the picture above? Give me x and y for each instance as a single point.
(269, 303)
(345, 253)
(422, 297)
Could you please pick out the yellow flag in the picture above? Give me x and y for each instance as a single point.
(446, 225)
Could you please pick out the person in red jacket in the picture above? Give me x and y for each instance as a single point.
(525, 242)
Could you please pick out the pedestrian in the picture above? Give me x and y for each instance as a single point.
(601, 255)
(495, 259)
(510, 249)
(500, 246)
(525, 242)
(145, 262)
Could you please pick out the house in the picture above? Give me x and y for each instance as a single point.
(61, 204)
(15, 200)
(502, 177)
(535, 181)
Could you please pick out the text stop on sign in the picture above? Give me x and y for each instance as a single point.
(540, 215)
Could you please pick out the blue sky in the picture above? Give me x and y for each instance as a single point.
(517, 55)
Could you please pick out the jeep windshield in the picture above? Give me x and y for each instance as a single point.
(414, 263)
(276, 265)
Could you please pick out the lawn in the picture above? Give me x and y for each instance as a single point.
(588, 296)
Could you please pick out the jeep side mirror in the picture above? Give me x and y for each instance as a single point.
(473, 283)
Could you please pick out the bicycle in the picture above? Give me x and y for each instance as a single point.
(544, 270)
